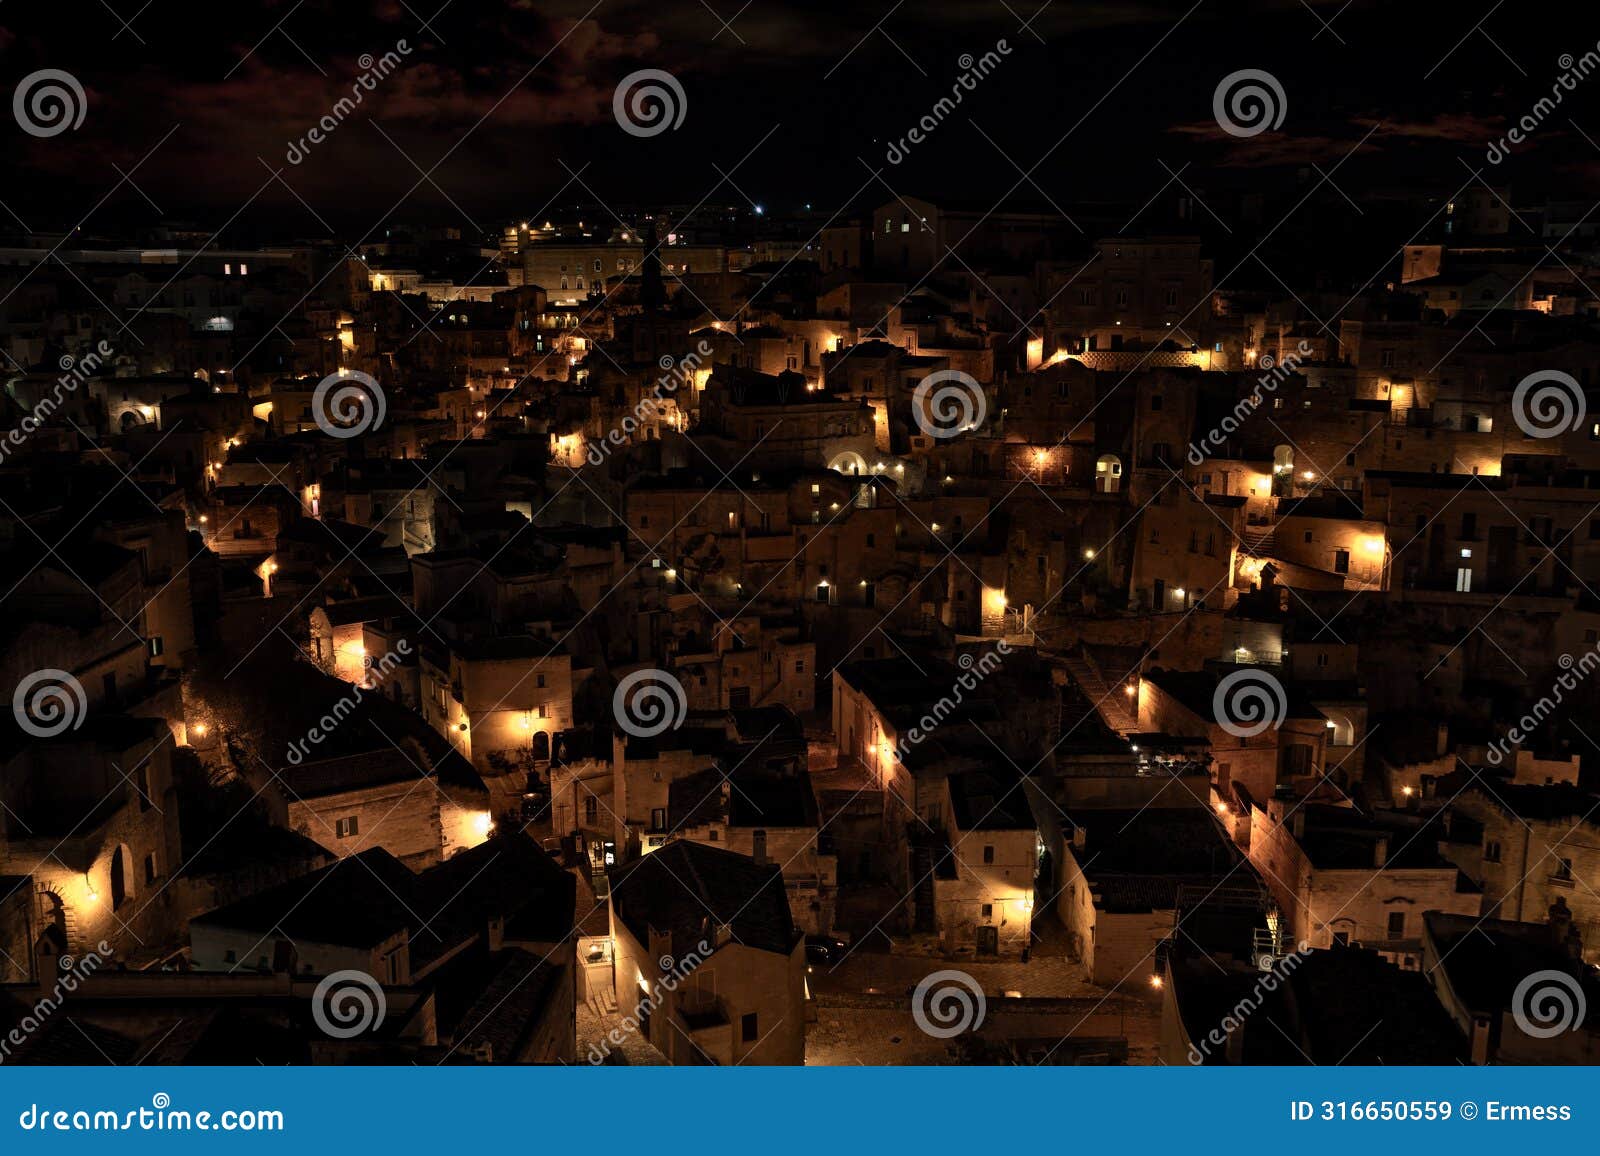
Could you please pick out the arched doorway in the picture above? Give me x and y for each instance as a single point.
(1108, 474)
(1282, 471)
(121, 876)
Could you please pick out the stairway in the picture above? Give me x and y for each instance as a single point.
(1259, 541)
(1108, 701)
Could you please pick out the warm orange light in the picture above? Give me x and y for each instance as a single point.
(1155, 981)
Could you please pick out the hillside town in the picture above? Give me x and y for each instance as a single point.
(923, 630)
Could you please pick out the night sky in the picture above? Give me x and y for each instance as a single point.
(1129, 86)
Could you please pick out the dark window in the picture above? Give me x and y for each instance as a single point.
(1397, 924)
(747, 1028)
(988, 853)
(347, 828)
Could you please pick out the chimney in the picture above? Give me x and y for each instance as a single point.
(1380, 851)
(1442, 746)
(1080, 836)
(1297, 824)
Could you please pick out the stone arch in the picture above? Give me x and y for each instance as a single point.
(1282, 470)
(849, 463)
(121, 876)
(1108, 474)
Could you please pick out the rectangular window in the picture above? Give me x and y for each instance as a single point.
(1397, 924)
(988, 853)
(747, 1028)
(347, 828)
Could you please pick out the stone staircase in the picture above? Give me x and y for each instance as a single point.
(1110, 702)
(1259, 541)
